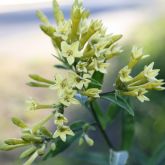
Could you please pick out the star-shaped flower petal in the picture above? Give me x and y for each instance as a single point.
(70, 52)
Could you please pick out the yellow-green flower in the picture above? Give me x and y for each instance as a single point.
(63, 30)
(92, 92)
(139, 93)
(62, 132)
(136, 56)
(60, 119)
(150, 73)
(78, 81)
(68, 98)
(82, 67)
(61, 84)
(70, 52)
(124, 74)
(31, 104)
(98, 65)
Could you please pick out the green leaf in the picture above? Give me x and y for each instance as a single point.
(158, 158)
(118, 158)
(97, 77)
(127, 131)
(58, 14)
(112, 112)
(61, 66)
(120, 101)
(91, 157)
(60, 145)
(100, 114)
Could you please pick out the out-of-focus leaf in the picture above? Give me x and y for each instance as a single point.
(118, 158)
(91, 157)
(112, 112)
(60, 66)
(100, 114)
(139, 156)
(121, 102)
(60, 145)
(158, 158)
(127, 130)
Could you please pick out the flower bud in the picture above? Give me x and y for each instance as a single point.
(14, 141)
(28, 152)
(89, 141)
(53, 146)
(18, 122)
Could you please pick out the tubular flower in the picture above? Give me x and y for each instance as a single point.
(78, 81)
(139, 85)
(60, 119)
(68, 98)
(70, 52)
(63, 30)
(92, 92)
(62, 132)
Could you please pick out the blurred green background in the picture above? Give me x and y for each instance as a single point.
(25, 49)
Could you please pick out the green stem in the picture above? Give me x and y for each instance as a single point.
(106, 138)
(42, 122)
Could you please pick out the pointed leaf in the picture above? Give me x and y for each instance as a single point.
(127, 130)
(121, 102)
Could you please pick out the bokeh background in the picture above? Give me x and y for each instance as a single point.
(25, 49)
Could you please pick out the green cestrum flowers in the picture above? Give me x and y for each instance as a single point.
(83, 48)
(62, 132)
(139, 85)
(70, 52)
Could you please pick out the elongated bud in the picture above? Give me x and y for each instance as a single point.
(42, 17)
(28, 152)
(81, 141)
(41, 151)
(14, 141)
(18, 122)
(89, 140)
(31, 138)
(49, 30)
(34, 84)
(53, 146)
(58, 14)
(116, 37)
(31, 159)
(40, 79)
(5, 147)
(46, 132)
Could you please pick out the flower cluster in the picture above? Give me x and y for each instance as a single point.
(36, 138)
(83, 48)
(140, 84)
